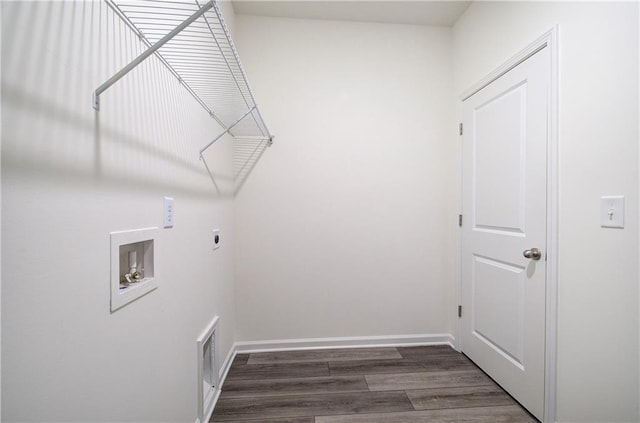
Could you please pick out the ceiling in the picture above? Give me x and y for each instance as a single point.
(439, 13)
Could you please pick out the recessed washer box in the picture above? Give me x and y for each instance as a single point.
(132, 265)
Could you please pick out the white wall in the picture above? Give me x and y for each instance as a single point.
(598, 271)
(70, 176)
(347, 225)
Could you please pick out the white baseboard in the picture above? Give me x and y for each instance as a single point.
(324, 343)
(344, 342)
(226, 365)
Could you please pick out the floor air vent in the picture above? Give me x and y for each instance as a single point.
(207, 371)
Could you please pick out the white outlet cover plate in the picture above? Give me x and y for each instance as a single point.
(612, 211)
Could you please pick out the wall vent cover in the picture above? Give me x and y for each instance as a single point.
(208, 374)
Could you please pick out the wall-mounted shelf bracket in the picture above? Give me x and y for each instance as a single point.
(200, 53)
(151, 50)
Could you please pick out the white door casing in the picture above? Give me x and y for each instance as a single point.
(504, 204)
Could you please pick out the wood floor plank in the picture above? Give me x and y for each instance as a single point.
(445, 363)
(426, 380)
(278, 371)
(469, 396)
(344, 354)
(294, 386)
(426, 352)
(362, 367)
(500, 414)
(240, 360)
(388, 385)
(310, 405)
(283, 420)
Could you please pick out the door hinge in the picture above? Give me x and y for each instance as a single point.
(459, 311)
(460, 220)
(460, 128)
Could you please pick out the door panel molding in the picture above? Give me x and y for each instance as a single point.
(549, 39)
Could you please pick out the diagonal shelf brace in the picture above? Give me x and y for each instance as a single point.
(115, 78)
(227, 129)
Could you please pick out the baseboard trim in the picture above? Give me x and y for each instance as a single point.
(344, 342)
(226, 365)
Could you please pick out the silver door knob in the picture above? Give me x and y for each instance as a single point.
(534, 254)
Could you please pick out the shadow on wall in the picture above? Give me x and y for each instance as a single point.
(246, 154)
(149, 130)
(89, 171)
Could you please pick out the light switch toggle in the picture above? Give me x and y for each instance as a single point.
(612, 211)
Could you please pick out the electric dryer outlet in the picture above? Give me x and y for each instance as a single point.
(215, 239)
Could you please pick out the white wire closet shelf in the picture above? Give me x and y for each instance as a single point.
(192, 40)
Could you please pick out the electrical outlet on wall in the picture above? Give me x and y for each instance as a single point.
(215, 239)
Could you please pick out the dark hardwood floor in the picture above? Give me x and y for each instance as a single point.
(367, 385)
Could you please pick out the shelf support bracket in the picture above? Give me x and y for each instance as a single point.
(115, 78)
(227, 130)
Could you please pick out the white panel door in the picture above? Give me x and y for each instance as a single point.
(504, 154)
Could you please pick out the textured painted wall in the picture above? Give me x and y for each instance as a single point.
(347, 225)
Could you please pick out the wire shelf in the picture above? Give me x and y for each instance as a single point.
(192, 40)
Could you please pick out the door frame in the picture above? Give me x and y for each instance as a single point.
(549, 40)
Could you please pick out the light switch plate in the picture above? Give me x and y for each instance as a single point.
(612, 211)
(168, 212)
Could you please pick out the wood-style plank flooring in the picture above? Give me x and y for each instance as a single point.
(366, 385)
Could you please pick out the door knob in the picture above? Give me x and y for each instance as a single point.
(534, 254)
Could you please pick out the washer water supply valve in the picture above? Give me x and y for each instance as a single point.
(134, 275)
